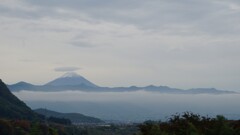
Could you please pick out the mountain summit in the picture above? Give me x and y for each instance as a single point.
(70, 74)
(71, 79)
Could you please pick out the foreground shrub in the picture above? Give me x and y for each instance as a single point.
(191, 124)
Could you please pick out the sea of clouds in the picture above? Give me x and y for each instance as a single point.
(133, 106)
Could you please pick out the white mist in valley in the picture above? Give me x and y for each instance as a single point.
(133, 106)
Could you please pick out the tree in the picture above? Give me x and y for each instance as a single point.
(5, 127)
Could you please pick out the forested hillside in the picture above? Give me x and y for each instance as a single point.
(13, 108)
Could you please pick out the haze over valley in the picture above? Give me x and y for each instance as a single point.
(126, 103)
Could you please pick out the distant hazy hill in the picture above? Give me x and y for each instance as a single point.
(73, 81)
(11, 107)
(22, 86)
(74, 117)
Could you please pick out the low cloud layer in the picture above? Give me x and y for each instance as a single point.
(135, 97)
(138, 105)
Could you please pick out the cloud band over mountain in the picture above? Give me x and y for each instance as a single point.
(66, 69)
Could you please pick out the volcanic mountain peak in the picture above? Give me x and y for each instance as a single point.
(71, 79)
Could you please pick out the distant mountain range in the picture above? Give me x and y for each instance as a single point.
(76, 118)
(73, 81)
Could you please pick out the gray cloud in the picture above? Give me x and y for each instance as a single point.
(201, 16)
(66, 69)
(175, 17)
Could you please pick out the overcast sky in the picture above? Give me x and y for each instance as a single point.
(179, 43)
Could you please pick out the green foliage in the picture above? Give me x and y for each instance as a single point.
(186, 124)
(192, 130)
(151, 128)
(59, 120)
(222, 127)
(191, 124)
(52, 131)
(24, 127)
(35, 130)
(5, 128)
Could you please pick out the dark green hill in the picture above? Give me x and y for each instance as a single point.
(13, 108)
(74, 117)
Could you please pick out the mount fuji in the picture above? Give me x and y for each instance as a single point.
(71, 79)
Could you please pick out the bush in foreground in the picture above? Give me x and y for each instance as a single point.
(191, 124)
